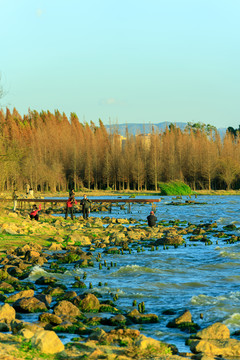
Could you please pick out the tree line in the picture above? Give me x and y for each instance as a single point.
(52, 152)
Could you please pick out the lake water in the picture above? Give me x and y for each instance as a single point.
(203, 279)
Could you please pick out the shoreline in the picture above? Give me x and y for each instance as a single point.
(25, 242)
(92, 193)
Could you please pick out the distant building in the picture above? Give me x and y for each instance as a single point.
(146, 139)
(119, 139)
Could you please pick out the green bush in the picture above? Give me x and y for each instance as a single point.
(174, 188)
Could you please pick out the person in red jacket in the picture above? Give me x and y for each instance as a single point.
(34, 213)
(70, 206)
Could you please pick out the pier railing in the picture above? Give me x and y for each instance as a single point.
(54, 201)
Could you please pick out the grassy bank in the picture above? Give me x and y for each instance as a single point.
(174, 188)
(165, 190)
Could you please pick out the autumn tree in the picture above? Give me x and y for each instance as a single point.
(228, 167)
(154, 160)
(127, 159)
(209, 158)
(115, 155)
(138, 169)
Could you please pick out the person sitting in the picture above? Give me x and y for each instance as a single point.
(151, 219)
(34, 213)
(85, 202)
(70, 206)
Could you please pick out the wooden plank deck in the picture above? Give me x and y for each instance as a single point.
(21, 202)
(54, 200)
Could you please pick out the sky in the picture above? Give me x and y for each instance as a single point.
(125, 61)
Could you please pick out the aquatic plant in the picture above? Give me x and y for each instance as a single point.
(150, 352)
(174, 188)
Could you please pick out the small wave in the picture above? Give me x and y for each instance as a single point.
(228, 252)
(234, 278)
(223, 220)
(38, 271)
(128, 269)
(192, 284)
(233, 297)
(204, 300)
(216, 266)
(233, 322)
(231, 255)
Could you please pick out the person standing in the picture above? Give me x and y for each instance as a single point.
(86, 203)
(70, 207)
(27, 189)
(14, 196)
(34, 213)
(72, 193)
(151, 219)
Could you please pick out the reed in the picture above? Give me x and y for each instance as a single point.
(174, 188)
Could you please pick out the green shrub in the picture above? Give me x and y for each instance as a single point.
(174, 188)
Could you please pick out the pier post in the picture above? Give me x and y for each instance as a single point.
(154, 207)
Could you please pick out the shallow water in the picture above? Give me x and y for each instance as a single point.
(203, 279)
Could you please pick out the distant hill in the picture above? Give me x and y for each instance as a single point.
(138, 128)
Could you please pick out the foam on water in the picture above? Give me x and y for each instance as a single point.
(229, 254)
(233, 321)
(224, 220)
(128, 269)
(37, 271)
(203, 300)
(232, 298)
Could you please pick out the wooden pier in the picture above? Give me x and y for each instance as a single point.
(54, 201)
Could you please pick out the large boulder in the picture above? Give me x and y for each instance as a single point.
(217, 331)
(14, 271)
(136, 317)
(18, 325)
(20, 295)
(47, 342)
(46, 299)
(50, 319)
(45, 280)
(32, 256)
(7, 313)
(184, 322)
(229, 349)
(87, 302)
(7, 277)
(29, 305)
(66, 308)
(80, 239)
(215, 341)
(144, 342)
(118, 335)
(6, 287)
(55, 247)
(170, 237)
(117, 320)
(184, 317)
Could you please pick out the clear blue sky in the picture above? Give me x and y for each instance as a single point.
(127, 60)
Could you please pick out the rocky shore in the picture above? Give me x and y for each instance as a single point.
(78, 310)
